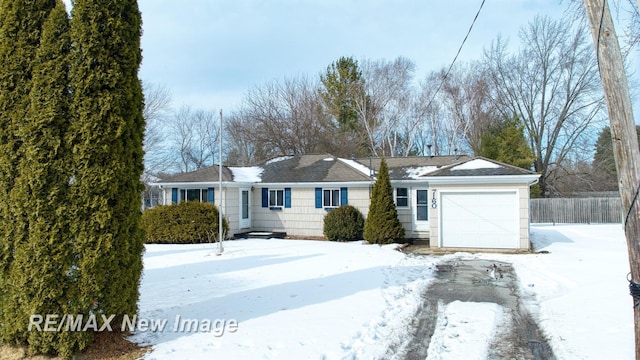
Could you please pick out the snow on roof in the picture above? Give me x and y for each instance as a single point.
(328, 159)
(247, 173)
(356, 165)
(281, 158)
(148, 178)
(476, 164)
(416, 172)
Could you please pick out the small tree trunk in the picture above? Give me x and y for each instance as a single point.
(623, 134)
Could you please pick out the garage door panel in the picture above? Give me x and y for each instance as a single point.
(480, 219)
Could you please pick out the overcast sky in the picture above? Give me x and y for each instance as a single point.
(208, 53)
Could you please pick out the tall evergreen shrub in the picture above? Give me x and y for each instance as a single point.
(382, 225)
(21, 28)
(42, 254)
(106, 138)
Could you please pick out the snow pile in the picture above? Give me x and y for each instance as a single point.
(277, 159)
(476, 164)
(465, 330)
(250, 174)
(356, 165)
(417, 172)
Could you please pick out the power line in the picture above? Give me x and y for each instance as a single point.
(604, 2)
(457, 54)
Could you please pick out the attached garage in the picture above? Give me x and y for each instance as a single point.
(480, 204)
(482, 219)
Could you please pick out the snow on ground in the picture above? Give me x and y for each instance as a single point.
(581, 290)
(465, 330)
(293, 299)
(290, 298)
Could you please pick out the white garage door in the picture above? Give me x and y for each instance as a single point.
(480, 219)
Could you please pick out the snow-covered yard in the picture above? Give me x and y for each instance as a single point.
(297, 299)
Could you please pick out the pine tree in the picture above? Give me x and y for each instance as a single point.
(382, 225)
(505, 141)
(20, 31)
(604, 164)
(106, 139)
(342, 81)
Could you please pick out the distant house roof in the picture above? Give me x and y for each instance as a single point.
(479, 166)
(412, 167)
(311, 168)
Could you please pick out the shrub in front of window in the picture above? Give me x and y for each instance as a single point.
(345, 223)
(189, 222)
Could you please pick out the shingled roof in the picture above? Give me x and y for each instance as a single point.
(328, 168)
(310, 168)
(208, 174)
(411, 167)
(479, 166)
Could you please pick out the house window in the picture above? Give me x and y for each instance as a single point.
(276, 198)
(331, 198)
(200, 195)
(402, 197)
(193, 195)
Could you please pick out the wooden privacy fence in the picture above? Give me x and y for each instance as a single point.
(576, 210)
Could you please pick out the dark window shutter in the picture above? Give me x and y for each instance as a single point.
(344, 196)
(318, 198)
(210, 195)
(174, 195)
(265, 197)
(287, 197)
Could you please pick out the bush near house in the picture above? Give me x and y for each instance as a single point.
(189, 222)
(345, 223)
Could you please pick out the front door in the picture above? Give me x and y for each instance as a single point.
(245, 208)
(420, 211)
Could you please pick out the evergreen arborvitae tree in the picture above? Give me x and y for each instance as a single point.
(20, 31)
(382, 225)
(42, 257)
(106, 138)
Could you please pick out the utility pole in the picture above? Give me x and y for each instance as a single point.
(623, 135)
(220, 234)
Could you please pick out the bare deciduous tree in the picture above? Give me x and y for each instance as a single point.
(385, 106)
(283, 117)
(193, 135)
(552, 85)
(455, 109)
(156, 112)
(466, 95)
